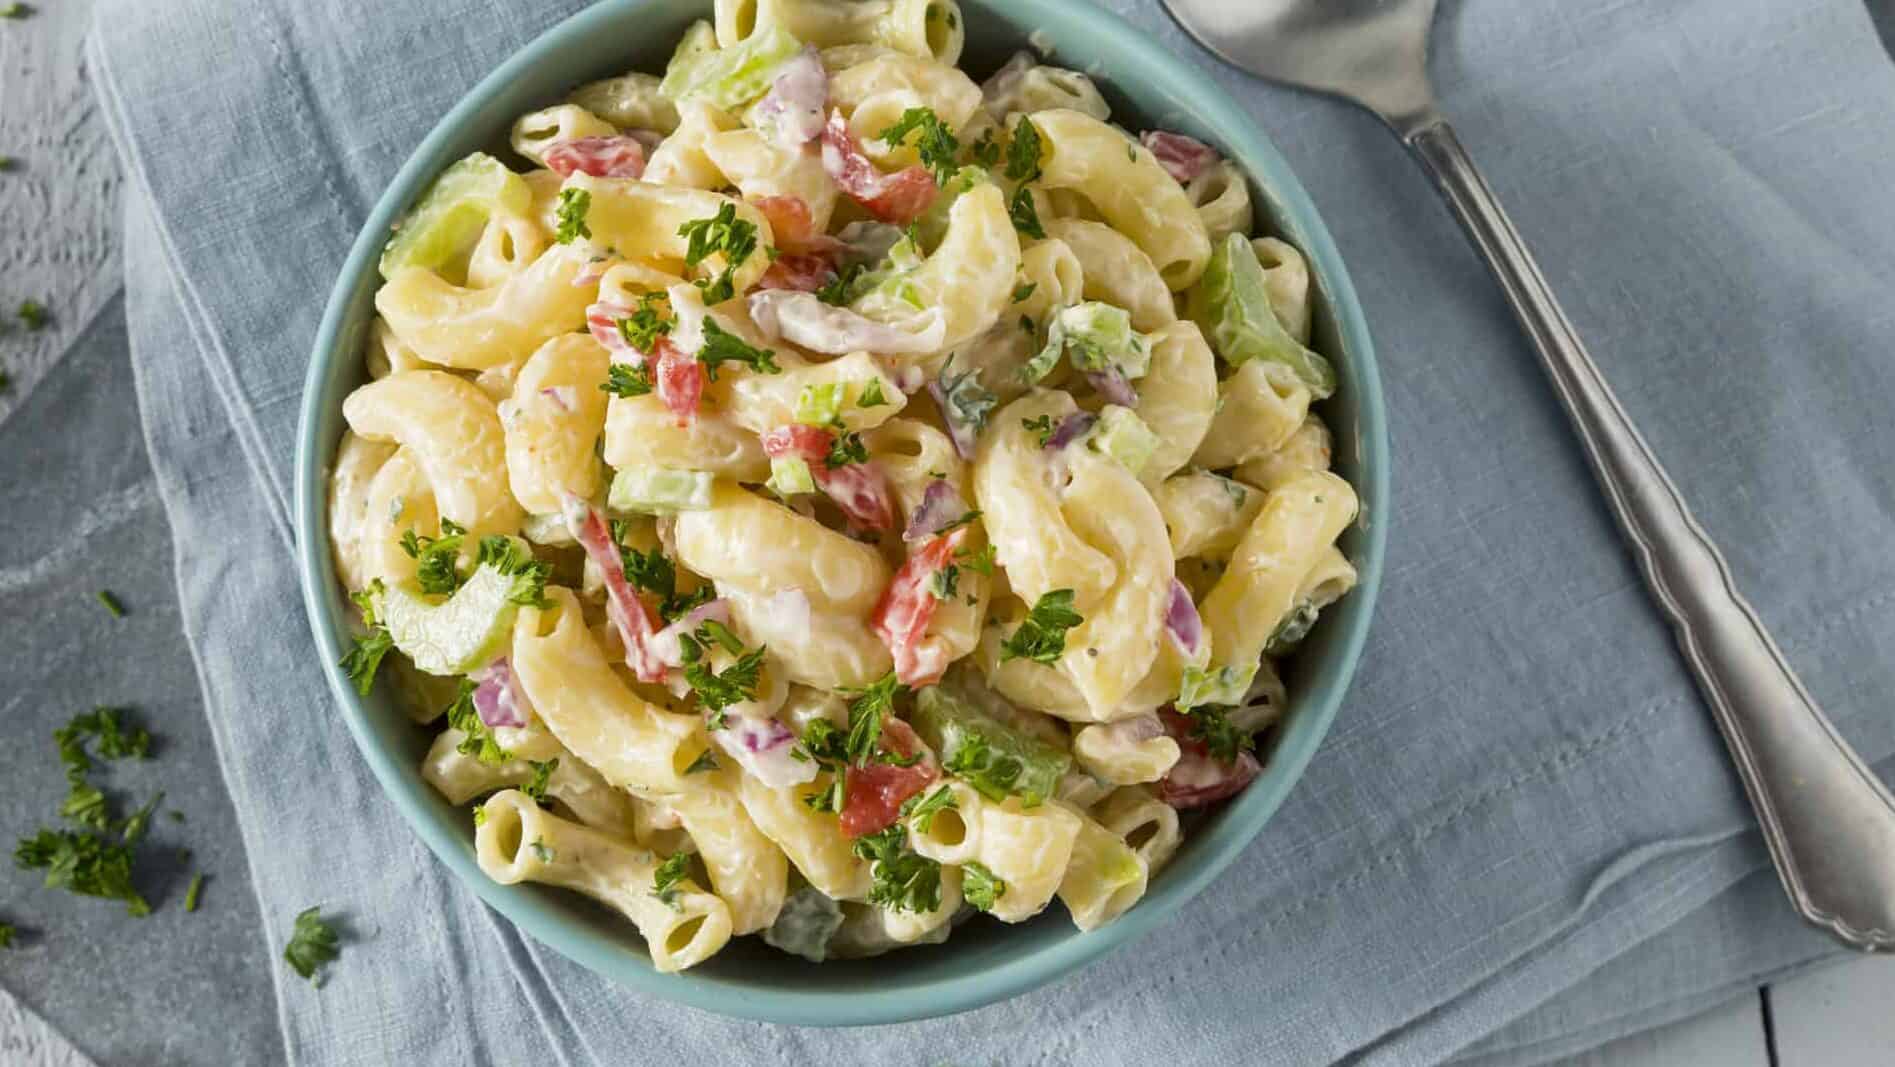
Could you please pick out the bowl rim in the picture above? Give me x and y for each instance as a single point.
(1219, 843)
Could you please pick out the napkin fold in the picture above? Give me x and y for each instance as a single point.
(1522, 811)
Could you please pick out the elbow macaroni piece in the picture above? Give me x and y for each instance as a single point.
(553, 424)
(1126, 752)
(631, 743)
(1298, 522)
(1177, 398)
(535, 132)
(1308, 449)
(759, 169)
(1025, 518)
(641, 432)
(969, 279)
(1145, 823)
(508, 247)
(474, 329)
(1117, 272)
(451, 430)
(1222, 198)
(1206, 513)
(952, 835)
(1130, 190)
(683, 160)
(1104, 878)
(813, 841)
(1286, 283)
(630, 102)
(518, 842)
(939, 87)
(930, 28)
(1029, 849)
(640, 221)
(762, 547)
(1259, 407)
(399, 500)
(1114, 648)
(460, 778)
(747, 870)
(762, 402)
(358, 460)
(826, 649)
(1042, 88)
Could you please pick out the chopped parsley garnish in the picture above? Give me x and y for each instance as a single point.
(985, 151)
(718, 690)
(1041, 427)
(942, 585)
(1024, 290)
(664, 880)
(535, 786)
(514, 559)
(15, 11)
(721, 347)
(312, 944)
(6, 928)
(1210, 725)
(966, 518)
(922, 812)
(848, 448)
(937, 145)
(573, 205)
(705, 761)
(480, 816)
(865, 718)
(543, 851)
(871, 395)
(1042, 635)
(111, 603)
(437, 559)
(33, 314)
(193, 890)
(837, 290)
(480, 742)
(365, 657)
(726, 233)
(825, 746)
(623, 379)
(1023, 152)
(967, 402)
(981, 562)
(712, 630)
(644, 326)
(654, 572)
(980, 886)
(1025, 217)
(903, 880)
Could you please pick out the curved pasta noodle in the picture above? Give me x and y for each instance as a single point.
(460, 778)
(952, 834)
(536, 131)
(1222, 198)
(640, 221)
(909, 927)
(1298, 521)
(387, 354)
(358, 459)
(763, 402)
(1126, 752)
(812, 840)
(508, 246)
(747, 870)
(1028, 848)
(1114, 648)
(1038, 87)
(553, 423)
(630, 101)
(912, 452)
(759, 169)
(641, 432)
(969, 278)
(1308, 449)
(1103, 879)
(1032, 536)
(631, 743)
(1206, 513)
(1259, 408)
(518, 842)
(451, 430)
(683, 159)
(929, 28)
(763, 547)
(939, 87)
(1130, 190)
(1116, 271)
(1142, 821)
(1286, 283)
(827, 649)
(1177, 398)
(474, 329)
(399, 499)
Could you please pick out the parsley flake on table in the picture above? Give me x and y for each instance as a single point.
(722, 346)
(111, 603)
(6, 934)
(1042, 634)
(937, 145)
(573, 205)
(192, 892)
(33, 314)
(15, 11)
(723, 233)
(312, 944)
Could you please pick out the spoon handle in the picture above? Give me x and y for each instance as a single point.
(1829, 822)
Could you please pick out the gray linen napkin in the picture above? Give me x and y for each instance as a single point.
(1523, 788)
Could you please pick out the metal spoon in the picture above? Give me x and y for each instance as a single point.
(1829, 823)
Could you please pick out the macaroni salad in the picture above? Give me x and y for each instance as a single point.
(818, 495)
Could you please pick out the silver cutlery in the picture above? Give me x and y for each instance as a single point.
(1829, 823)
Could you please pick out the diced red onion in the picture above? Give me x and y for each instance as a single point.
(941, 504)
(964, 435)
(498, 699)
(1070, 429)
(791, 113)
(1112, 385)
(803, 319)
(665, 644)
(1182, 621)
(908, 379)
(762, 747)
(1184, 158)
(1198, 778)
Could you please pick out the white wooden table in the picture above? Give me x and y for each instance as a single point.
(1841, 1016)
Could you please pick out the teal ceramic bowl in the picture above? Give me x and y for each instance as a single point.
(984, 961)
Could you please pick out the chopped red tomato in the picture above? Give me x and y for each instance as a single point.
(793, 227)
(678, 380)
(859, 489)
(1184, 158)
(906, 607)
(1198, 778)
(633, 620)
(873, 794)
(601, 157)
(898, 198)
(800, 271)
